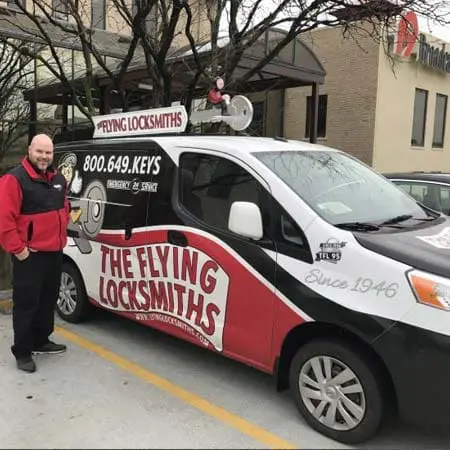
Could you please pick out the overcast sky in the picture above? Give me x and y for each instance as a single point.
(425, 25)
(438, 31)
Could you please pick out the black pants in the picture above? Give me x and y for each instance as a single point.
(36, 283)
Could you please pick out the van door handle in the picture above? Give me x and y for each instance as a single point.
(177, 238)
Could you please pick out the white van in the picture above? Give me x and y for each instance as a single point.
(293, 258)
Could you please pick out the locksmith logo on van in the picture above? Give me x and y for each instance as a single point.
(123, 164)
(180, 287)
(330, 251)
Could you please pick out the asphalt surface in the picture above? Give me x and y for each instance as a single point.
(121, 385)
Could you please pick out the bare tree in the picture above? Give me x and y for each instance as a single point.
(242, 24)
(16, 75)
(156, 27)
(77, 33)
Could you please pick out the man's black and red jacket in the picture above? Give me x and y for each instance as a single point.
(34, 210)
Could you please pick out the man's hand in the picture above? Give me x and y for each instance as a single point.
(23, 254)
(77, 183)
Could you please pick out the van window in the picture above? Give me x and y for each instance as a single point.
(289, 232)
(210, 184)
(339, 188)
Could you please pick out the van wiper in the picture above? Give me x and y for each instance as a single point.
(404, 217)
(358, 226)
(428, 219)
(397, 219)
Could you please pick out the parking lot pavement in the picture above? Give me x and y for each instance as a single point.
(78, 400)
(121, 385)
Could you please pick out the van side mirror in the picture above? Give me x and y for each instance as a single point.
(245, 219)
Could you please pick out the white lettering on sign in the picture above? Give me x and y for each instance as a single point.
(124, 164)
(184, 285)
(152, 121)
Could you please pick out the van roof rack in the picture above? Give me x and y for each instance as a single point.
(76, 137)
(237, 113)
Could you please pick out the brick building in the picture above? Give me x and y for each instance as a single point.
(390, 112)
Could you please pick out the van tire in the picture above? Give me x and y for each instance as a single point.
(82, 306)
(366, 373)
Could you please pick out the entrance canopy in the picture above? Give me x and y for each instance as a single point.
(295, 66)
(14, 24)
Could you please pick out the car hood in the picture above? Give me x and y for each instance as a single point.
(426, 247)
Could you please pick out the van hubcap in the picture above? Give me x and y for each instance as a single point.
(67, 300)
(332, 393)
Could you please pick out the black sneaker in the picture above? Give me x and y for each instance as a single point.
(26, 364)
(50, 348)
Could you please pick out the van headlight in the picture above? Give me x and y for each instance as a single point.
(430, 290)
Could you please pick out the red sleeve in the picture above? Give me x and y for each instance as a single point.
(10, 202)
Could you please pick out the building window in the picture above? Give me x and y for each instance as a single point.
(151, 19)
(135, 7)
(440, 117)
(60, 9)
(98, 14)
(322, 116)
(419, 118)
(14, 4)
(257, 127)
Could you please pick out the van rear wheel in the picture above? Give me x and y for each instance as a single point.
(72, 304)
(337, 390)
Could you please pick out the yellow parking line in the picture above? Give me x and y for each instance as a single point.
(219, 413)
(5, 303)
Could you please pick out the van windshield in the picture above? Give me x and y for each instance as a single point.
(342, 190)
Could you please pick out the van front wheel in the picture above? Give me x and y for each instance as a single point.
(337, 390)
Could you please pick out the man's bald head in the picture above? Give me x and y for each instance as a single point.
(41, 141)
(40, 151)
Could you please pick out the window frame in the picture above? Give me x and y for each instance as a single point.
(12, 4)
(103, 24)
(421, 143)
(60, 9)
(435, 144)
(309, 99)
(258, 127)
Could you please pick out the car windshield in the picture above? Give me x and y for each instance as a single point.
(341, 189)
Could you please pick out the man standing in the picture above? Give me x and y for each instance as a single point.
(34, 214)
